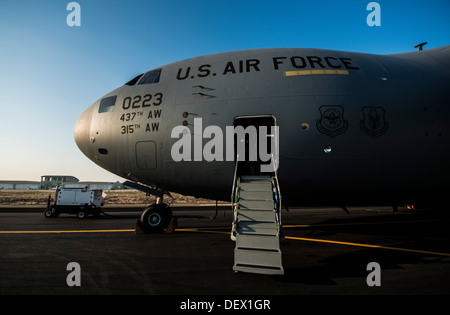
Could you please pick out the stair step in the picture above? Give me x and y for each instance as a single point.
(251, 178)
(256, 204)
(257, 258)
(256, 215)
(256, 195)
(259, 270)
(256, 186)
(261, 228)
(257, 242)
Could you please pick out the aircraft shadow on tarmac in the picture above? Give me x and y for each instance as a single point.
(417, 224)
(421, 231)
(353, 265)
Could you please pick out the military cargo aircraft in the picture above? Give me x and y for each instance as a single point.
(332, 127)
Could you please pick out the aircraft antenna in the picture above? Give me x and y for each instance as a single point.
(420, 46)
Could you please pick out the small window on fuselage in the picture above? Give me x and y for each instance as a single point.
(151, 77)
(107, 104)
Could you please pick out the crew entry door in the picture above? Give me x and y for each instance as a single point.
(255, 145)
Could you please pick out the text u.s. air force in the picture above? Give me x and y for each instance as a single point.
(276, 63)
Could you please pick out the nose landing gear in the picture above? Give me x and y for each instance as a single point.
(155, 218)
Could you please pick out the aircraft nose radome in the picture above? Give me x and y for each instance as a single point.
(81, 131)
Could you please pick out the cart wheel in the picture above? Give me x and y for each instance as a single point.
(81, 214)
(48, 213)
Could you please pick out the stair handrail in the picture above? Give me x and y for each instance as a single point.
(278, 192)
(235, 179)
(233, 199)
(276, 179)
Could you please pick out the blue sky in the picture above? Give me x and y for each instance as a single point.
(50, 72)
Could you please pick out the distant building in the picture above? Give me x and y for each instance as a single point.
(19, 185)
(53, 181)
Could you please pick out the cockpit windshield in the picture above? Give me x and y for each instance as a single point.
(134, 81)
(151, 77)
(146, 78)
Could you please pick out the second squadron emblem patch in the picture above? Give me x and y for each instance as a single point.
(373, 123)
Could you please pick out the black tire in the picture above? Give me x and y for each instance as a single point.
(48, 213)
(156, 218)
(81, 214)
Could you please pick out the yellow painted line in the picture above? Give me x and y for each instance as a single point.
(205, 230)
(314, 72)
(367, 245)
(300, 225)
(209, 230)
(202, 230)
(357, 223)
(68, 231)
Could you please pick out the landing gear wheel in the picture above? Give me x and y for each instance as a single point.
(156, 218)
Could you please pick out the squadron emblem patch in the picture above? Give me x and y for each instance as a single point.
(374, 123)
(332, 122)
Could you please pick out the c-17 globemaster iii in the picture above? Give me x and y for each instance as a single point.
(322, 127)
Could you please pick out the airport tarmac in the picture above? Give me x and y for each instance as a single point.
(326, 252)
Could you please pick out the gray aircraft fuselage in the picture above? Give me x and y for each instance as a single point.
(354, 128)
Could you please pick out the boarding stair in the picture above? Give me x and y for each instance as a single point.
(257, 227)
